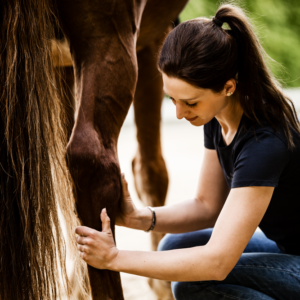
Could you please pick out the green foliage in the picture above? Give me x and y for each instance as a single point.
(277, 24)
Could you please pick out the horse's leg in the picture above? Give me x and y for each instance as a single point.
(150, 173)
(151, 177)
(102, 37)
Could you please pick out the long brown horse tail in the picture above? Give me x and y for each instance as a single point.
(34, 181)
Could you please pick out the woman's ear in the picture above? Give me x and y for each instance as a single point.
(230, 87)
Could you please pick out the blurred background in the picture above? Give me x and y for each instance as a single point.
(277, 24)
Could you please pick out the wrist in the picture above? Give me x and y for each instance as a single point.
(114, 264)
(142, 220)
(153, 218)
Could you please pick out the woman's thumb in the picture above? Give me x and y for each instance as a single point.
(105, 220)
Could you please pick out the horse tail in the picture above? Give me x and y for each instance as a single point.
(34, 181)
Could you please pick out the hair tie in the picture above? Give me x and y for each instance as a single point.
(217, 22)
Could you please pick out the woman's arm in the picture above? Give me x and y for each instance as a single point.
(236, 224)
(189, 215)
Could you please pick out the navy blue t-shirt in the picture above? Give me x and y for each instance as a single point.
(259, 156)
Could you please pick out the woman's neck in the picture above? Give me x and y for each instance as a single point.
(229, 119)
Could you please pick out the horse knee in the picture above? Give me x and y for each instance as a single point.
(91, 165)
(83, 150)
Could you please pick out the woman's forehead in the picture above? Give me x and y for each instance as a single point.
(180, 88)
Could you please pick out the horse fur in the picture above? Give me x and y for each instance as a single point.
(35, 183)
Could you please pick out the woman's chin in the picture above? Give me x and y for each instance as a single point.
(197, 122)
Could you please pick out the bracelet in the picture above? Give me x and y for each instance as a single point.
(153, 219)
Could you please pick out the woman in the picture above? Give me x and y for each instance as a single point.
(249, 177)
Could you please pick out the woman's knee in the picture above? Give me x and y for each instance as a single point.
(190, 290)
(179, 290)
(184, 240)
(168, 242)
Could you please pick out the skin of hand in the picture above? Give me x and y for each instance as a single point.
(97, 248)
(128, 210)
(234, 228)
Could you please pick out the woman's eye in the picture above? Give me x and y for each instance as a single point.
(191, 105)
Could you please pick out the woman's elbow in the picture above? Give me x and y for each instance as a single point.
(220, 273)
(221, 266)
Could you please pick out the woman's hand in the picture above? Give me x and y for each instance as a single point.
(127, 211)
(97, 248)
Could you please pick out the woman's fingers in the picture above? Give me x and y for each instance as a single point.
(81, 248)
(84, 231)
(80, 240)
(83, 240)
(97, 248)
(124, 186)
(81, 255)
(105, 221)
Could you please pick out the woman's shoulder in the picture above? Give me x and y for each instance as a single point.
(260, 131)
(261, 140)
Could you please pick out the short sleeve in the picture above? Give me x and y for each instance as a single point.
(208, 135)
(261, 161)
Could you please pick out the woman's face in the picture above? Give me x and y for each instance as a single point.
(196, 105)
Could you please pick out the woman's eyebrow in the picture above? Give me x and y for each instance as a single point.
(188, 99)
(181, 99)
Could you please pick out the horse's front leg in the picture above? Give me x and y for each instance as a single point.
(148, 166)
(150, 173)
(102, 37)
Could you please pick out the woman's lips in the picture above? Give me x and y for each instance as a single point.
(192, 119)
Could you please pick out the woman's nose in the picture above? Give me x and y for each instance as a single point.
(181, 110)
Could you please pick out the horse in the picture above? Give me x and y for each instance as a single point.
(113, 47)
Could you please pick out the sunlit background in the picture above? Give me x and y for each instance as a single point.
(278, 26)
(277, 23)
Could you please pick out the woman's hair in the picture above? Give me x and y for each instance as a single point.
(205, 55)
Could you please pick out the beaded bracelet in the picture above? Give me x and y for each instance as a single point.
(153, 219)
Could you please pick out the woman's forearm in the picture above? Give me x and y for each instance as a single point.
(191, 264)
(185, 216)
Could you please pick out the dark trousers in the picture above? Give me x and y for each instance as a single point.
(262, 273)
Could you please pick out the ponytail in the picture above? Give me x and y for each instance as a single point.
(260, 92)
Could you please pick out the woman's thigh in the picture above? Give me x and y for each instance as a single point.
(263, 271)
(258, 243)
(261, 276)
(274, 274)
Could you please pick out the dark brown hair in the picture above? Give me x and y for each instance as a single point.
(205, 55)
(34, 180)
